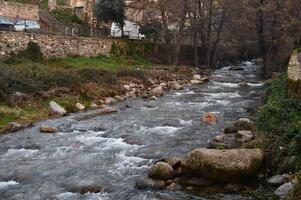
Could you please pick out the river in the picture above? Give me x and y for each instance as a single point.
(116, 149)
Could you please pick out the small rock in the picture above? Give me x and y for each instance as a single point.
(127, 87)
(148, 183)
(219, 138)
(162, 171)
(283, 191)
(163, 85)
(243, 84)
(80, 106)
(119, 98)
(85, 186)
(93, 105)
(233, 187)
(108, 111)
(172, 186)
(157, 91)
(11, 127)
(278, 179)
(48, 129)
(196, 82)
(209, 118)
(153, 98)
(205, 79)
(110, 100)
(197, 77)
(177, 86)
(56, 109)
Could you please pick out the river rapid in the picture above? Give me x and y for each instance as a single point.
(116, 149)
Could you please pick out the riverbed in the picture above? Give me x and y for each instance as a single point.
(115, 150)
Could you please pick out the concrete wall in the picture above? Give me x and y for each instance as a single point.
(294, 75)
(54, 46)
(25, 11)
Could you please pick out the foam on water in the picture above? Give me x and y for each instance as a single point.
(161, 130)
(231, 85)
(24, 153)
(223, 95)
(185, 123)
(7, 184)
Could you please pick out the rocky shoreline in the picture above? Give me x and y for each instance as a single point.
(158, 82)
(224, 167)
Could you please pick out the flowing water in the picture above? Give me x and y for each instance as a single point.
(116, 149)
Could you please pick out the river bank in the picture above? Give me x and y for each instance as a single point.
(79, 83)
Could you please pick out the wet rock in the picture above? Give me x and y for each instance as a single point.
(80, 106)
(278, 180)
(245, 124)
(233, 187)
(11, 127)
(119, 98)
(56, 109)
(157, 91)
(172, 186)
(223, 165)
(236, 68)
(243, 84)
(209, 118)
(244, 136)
(153, 98)
(224, 141)
(93, 105)
(198, 181)
(148, 183)
(110, 100)
(174, 162)
(85, 186)
(108, 111)
(48, 129)
(284, 190)
(230, 130)
(177, 86)
(196, 82)
(162, 171)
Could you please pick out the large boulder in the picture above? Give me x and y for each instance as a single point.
(162, 171)
(157, 91)
(223, 165)
(56, 109)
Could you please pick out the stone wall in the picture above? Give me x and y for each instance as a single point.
(54, 46)
(25, 11)
(294, 75)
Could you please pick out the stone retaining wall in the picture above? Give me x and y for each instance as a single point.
(294, 75)
(25, 11)
(54, 46)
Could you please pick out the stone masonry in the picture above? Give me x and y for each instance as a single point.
(24, 11)
(54, 46)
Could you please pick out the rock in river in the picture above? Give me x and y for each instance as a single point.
(85, 186)
(161, 170)
(48, 129)
(11, 127)
(245, 124)
(223, 165)
(157, 91)
(56, 109)
(148, 183)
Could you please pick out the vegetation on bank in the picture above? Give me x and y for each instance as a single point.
(279, 127)
(28, 81)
